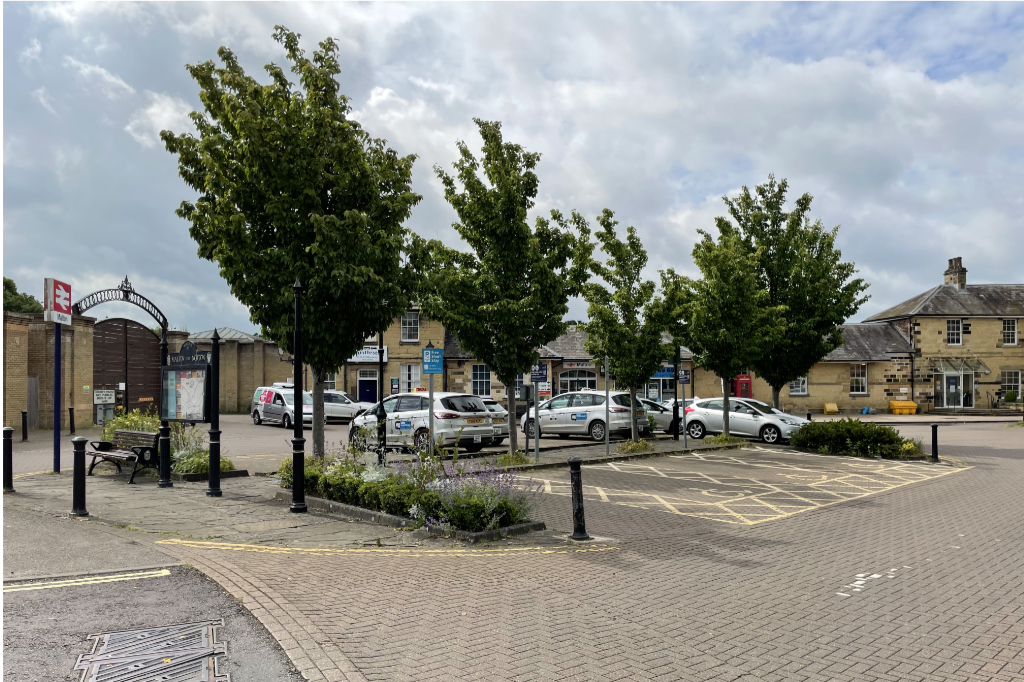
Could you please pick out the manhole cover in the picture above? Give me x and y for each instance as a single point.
(186, 652)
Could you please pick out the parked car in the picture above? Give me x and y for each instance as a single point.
(460, 420)
(582, 413)
(361, 405)
(339, 407)
(662, 415)
(746, 418)
(683, 402)
(275, 405)
(499, 420)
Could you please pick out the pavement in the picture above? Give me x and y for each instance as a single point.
(752, 564)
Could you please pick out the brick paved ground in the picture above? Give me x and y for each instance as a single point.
(919, 582)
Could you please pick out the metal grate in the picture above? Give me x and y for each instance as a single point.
(186, 652)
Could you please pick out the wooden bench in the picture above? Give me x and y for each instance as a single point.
(139, 446)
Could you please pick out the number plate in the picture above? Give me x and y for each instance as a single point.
(476, 439)
(499, 420)
(474, 421)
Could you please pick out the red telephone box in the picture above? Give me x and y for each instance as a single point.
(743, 386)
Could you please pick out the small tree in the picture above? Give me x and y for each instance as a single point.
(801, 269)
(625, 315)
(19, 303)
(508, 295)
(291, 188)
(724, 318)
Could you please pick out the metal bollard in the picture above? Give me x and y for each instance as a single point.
(8, 459)
(935, 443)
(78, 484)
(24, 425)
(579, 526)
(71, 419)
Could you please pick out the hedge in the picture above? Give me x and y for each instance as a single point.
(856, 438)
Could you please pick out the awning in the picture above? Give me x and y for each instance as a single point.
(958, 366)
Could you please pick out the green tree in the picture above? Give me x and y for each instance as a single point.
(801, 269)
(508, 294)
(290, 187)
(19, 303)
(724, 318)
(626, 318)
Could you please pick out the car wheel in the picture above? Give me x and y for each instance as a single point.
(256, 417)
(475, 447)
(563, 436)
(286, 422)
(531, 429)
(498, 441)
(696, 430)
(421, 441)
(770, 434)
(597, 431)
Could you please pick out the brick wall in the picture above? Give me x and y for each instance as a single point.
(76, 368)
(15, 368)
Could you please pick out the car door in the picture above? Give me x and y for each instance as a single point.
(273, 409)
(390, 410)
(743, 420)
(558, 415)
(401, 420)
(711, 415)
(580, 412)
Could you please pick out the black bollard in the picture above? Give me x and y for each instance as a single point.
(8, 459)
(935, 443)
(78, 484)
(579, 525)
(213, 480)
(24, 425)
(71, 419)
(808, 416)
(165, 428)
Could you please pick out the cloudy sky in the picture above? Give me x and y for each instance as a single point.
(905, 121)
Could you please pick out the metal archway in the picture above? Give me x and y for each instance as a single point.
(126, 293)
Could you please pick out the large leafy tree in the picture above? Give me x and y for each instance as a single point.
(626, 318)
(724, 318)
(290, 187)
(15, 302)
(508, 294)
(801, 269)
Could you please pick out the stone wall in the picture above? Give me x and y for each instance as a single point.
(76, 368)
(15, 368)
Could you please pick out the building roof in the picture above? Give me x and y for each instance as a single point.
(226, 334)
(869, 343)
(974, 300)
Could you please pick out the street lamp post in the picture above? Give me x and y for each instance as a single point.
(298, 505)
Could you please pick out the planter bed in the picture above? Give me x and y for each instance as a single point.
(237, 473)
(393, 521)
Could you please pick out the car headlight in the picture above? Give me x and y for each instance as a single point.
(791, 422)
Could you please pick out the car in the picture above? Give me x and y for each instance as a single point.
(583, 413)
(275, 405)
(746, 418)
(339, 407)
(661, 414)
(460, 420)
(499, 420)
(683, 402)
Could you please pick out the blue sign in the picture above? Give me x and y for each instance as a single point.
(433, 360)
(539, 373)
(403, 424)
(579, 417)
(684, 376)
(663, 373)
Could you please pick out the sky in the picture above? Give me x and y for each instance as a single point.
(904, 121)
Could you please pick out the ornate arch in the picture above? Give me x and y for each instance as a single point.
(124, 292)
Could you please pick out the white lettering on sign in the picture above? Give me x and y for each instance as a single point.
(578, 365)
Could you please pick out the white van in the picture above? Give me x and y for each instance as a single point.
(275, 405)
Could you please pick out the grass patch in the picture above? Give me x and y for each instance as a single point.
(1016, 424)
(512, 459)
(629, 447)
(722, 439)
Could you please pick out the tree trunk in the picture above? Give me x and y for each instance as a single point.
(632, 413)
(513, 437)
(725, 412)
(775, 397)
(318, 412)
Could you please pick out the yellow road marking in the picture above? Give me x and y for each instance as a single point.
(15, 477)
(88, 580)
(412, 552)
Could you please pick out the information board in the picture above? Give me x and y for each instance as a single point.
(539, 373)
(185, 394)
(433, 360)
(684, 376)
(103, 396)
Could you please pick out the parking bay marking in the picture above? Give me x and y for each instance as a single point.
(88, 580)
(410, 552)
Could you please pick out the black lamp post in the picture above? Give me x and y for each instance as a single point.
(298, 505)
(214, 477)
(165, 430)
(381, 418)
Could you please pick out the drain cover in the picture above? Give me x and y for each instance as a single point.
(186, 652)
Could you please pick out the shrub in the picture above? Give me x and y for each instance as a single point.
(722, 439)
(136, 420)
(1010, 397)
(856, 438)
(629, 447)
(198, 463)
(512, 459)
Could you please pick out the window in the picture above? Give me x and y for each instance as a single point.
(519, 382)
(410, 378)
(390, 404)
(411, 326)
(576, 380)
(330, 381)
(463, 403)
(859, 379)
(1010, 332)
(588, 400)
(953, 333)
(1011, 381)
(798, 386)
(410, 403)
(559, 402)
(481, 380)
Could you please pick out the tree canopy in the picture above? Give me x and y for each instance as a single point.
(15, 302)
(508, 294)
(625, 315)
(290, 187)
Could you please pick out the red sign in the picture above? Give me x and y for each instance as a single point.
(57, 297)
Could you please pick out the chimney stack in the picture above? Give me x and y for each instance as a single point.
(956, 273)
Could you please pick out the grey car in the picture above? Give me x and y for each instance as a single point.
(746, 418)
(661, 415)
(499, 420)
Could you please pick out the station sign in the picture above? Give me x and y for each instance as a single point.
(578, 365)
(57, 301)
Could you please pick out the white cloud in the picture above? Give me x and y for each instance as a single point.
(66, 159)
(44, 98)
(31, 53)
(113, 87)
(164, 112)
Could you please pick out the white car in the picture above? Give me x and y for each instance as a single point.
(339, 407)
(274, 405)
(661, 414)
(460, 420)
(746, 418)
(582, 413)
(499, 419)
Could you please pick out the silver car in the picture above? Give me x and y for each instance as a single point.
(339, 407)
(661, 414)
(460, 420)
(746, 418)
(582, 413)
(499, 420)
(275, 405)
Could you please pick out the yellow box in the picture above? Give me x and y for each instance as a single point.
(831, 408)
(903, 407)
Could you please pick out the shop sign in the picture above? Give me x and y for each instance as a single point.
(369, 354)
(578, 365)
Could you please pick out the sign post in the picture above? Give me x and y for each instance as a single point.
(57, 309)
(607, 411)
(675, 397)
(433, 363)
(684, 379)
(538, 375)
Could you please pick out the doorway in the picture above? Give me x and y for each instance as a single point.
(954, 390)
(367, 385)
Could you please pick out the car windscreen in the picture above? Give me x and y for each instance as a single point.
(463, 403)
(621, 399)
(494, 407)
